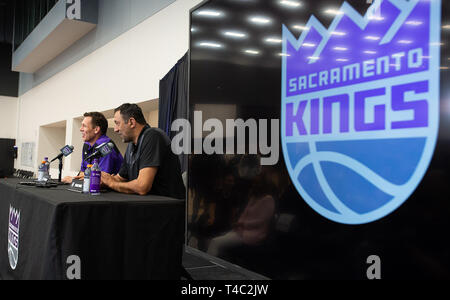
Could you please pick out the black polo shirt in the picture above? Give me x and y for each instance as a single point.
(153, 150)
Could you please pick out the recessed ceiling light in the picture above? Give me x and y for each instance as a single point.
(308, 45)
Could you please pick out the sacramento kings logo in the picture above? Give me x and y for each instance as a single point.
(360, 107)
(13, 237)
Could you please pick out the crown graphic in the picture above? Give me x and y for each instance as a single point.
(14, 217)
(391, 39)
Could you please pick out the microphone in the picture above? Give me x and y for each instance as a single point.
(66, 151)
(101, 151)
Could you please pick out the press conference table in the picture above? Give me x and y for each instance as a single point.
(115, 236)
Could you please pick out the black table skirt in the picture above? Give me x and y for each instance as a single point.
(115, 236)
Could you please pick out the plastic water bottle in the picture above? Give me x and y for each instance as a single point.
(87, 180)
(47, 169)
(95, 178)
(41, 171)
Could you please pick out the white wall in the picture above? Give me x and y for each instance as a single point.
(128, 69)
(8, 117)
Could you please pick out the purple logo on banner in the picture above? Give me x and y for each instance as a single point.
(360, 107)
(13, 237)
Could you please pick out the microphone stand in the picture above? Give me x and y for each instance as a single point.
(60, 170)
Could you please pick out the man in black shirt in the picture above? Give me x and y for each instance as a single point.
(150, 166)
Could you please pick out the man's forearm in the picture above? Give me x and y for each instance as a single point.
(131, 187)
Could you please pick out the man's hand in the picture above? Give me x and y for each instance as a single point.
(141, 186)
(107, 179)
(69, 179)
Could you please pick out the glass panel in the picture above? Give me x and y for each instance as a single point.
(370, 149)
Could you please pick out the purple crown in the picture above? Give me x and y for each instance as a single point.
(392, 39)
(14, 217)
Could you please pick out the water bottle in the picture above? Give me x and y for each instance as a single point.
(87, 180)
(41, 171)
(95, 179)
(47, 169)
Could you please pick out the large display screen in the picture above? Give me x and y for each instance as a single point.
(321, 137)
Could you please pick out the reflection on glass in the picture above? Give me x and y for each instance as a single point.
(210, 45)
(252, 52)
(260, 20)
(210, 13)
(339, 33)
(273, 40)
(300, 27)
(235, 34)
(414, 23)
(372, 38)
(290, 3)
(333, 12)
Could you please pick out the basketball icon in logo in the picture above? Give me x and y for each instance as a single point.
(360, 107)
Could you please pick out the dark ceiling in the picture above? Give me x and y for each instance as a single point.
(6, 21)
(9, 81)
